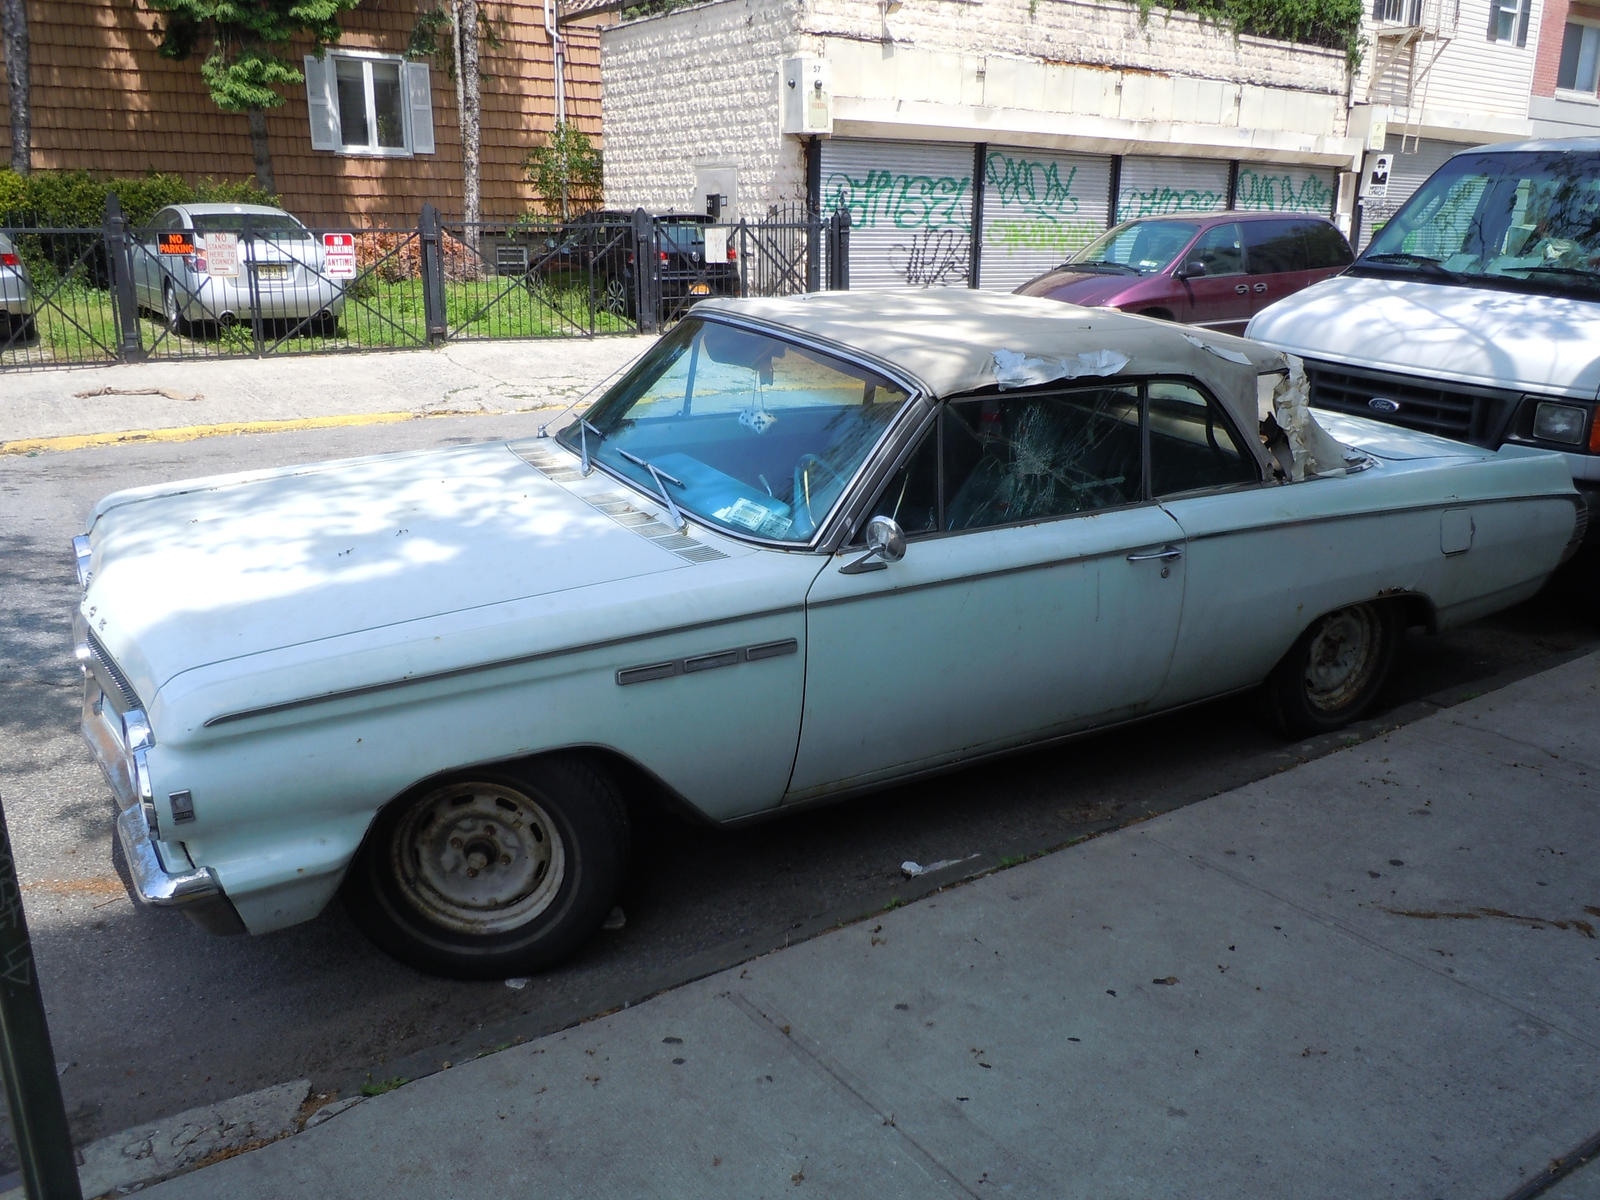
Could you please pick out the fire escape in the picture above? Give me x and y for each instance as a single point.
(1408, 37)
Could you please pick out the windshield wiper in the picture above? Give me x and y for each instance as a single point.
(662, 479)
(1098, 265)
(584, 429)
(1424, 264)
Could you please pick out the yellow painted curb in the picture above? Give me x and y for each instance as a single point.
(190, 433)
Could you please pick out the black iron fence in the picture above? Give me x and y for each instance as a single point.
(212, 285)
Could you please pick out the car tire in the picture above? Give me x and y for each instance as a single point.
(491, 874)
(1334, 671)
(169, 310)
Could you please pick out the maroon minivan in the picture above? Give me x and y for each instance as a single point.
(1213, 269)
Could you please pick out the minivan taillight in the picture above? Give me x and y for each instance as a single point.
(10, 260)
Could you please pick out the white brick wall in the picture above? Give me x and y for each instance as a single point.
(699, 87)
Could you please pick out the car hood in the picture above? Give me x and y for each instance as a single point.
(202, 572)
(1471, 334)
(1088, 288)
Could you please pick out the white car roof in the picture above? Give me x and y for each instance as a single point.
(946, 338)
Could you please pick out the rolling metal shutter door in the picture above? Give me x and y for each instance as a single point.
(1265, 187)
(1151, 186)
(1038, 208)
(1406, 175)
(910, 210)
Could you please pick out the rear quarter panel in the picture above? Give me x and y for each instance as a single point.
(1262, 564)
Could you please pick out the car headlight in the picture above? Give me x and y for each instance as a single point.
(1560, 423)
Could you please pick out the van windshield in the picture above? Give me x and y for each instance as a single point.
(1523, 221)
(1144, 247)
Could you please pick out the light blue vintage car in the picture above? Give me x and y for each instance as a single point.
(803, 548)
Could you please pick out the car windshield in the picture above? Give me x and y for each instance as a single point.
(268, 224)
(1528, 221)
(738, 429)
(1142, 246)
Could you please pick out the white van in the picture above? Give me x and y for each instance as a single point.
(1475, 311)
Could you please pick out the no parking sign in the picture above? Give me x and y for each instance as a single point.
(339, 255)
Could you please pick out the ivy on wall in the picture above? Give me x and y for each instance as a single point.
(1335, 24)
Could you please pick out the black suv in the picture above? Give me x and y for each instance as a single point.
(604, 243)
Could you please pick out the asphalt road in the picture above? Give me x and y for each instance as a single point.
(149, 1016)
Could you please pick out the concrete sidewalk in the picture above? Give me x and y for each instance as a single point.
(173, 400)
(1371, 975)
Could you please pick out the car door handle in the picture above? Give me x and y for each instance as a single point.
(1165, 553)
(1241, 289)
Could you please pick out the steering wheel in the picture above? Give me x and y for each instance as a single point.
(812, 477)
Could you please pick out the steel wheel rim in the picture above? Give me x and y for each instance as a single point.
(479, 858)
(1342, 658)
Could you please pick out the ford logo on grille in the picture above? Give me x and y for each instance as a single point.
(1383, 404)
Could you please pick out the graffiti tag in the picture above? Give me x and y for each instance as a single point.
(933, 257)
(901, 201)
(1155, 201)
(1283, 192)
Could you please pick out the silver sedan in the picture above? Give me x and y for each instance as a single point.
(229, 262)
(16, 293)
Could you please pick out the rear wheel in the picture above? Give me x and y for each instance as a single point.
(490, 874)
(1334, 671)
(169, 309)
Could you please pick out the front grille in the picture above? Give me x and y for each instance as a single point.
(1459, 411)
(108, 669)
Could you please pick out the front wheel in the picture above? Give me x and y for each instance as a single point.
(1334, 671)
(488, 874)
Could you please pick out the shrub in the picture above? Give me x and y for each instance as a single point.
(77, 199)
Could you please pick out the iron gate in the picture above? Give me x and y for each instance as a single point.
(213, 284)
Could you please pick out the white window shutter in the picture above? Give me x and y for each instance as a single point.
(419, 95)
(319, 100)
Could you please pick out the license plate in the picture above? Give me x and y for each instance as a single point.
(272, 271)
(700, 289)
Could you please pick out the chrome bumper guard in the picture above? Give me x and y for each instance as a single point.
(115, 726)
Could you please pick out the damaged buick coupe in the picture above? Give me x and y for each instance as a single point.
(804, 548)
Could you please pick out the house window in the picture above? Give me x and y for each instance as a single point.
(1508, 21)
(1580, 59)
(377, 104)
(1402, 12)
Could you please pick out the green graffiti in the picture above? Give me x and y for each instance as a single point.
(900, 201)
(1062, 238)
(1161, 199)
(1282, 192)
(1033, 186)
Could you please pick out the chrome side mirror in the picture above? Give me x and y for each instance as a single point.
(886, 543)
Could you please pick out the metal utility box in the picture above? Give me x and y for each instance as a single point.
(805, 102)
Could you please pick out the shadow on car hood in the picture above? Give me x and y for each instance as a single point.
(216, 569)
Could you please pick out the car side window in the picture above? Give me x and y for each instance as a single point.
(1219, 250)
(1192, 445)
(1326, 246)
(1028, 457)
(912, 497)
(1275, 247)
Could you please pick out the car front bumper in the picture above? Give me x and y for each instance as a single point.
(118, 732)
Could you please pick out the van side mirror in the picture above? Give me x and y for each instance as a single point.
(1192, 269)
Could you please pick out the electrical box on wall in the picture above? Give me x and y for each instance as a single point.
(805, 102)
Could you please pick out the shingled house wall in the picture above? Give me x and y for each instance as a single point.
(105, 101)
